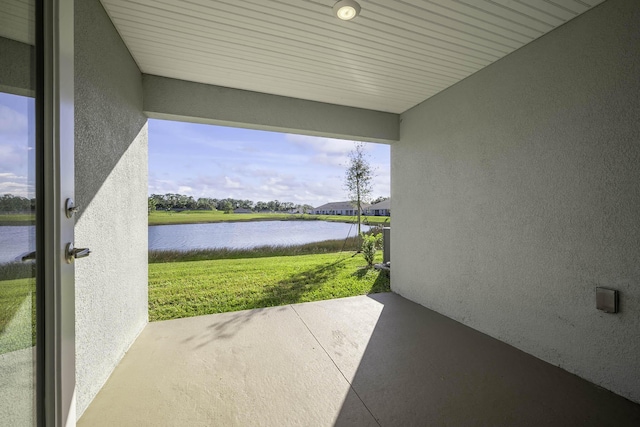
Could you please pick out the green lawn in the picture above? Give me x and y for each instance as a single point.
(372, 220)
(17, 219)
(17, 314)
(184, 289)
(198, 217)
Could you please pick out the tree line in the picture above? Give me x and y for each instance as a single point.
(174, 201)
(11, 203)
(171, 201)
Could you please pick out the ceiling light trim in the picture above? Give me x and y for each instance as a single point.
(346, 10)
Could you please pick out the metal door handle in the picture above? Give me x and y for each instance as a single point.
(81, 252)
(27, 256)
(73, 253)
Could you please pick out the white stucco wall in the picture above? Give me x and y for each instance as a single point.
(517, 192)
(111, 190)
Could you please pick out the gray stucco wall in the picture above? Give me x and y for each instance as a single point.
(16, 73)
(111, 190)
(517, 191)
(173, 99)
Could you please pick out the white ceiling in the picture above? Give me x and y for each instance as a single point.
(393, 56)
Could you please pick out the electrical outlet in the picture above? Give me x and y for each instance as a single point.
(607, 300)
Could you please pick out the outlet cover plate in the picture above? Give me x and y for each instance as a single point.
(607, 300)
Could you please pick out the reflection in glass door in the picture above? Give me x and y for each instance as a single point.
(18, 234)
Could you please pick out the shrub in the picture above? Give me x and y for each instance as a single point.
(370, 245)
(327, 246)
(17, 270)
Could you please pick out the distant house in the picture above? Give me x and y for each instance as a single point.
(338, 208)
(382, 208)
(242, 211)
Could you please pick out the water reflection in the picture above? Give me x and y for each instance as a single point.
(16, 241)
(243, 235)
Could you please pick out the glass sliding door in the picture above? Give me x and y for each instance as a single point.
(37, 310)
(19, 203)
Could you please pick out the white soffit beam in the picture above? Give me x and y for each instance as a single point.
(394, 55)
(172, 99)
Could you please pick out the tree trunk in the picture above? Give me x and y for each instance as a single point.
(359, 210)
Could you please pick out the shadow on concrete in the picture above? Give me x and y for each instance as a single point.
(423, 369)
(230, 326)
(222, 326)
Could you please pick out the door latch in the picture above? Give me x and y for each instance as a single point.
(72, 253)
(70, 208)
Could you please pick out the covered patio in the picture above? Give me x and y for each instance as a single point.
(514, 155)
(515, 158)
(377, 360)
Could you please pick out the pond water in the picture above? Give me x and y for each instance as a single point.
(242, 235)
(15, 241)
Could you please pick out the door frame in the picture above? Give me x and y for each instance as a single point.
(56, 310)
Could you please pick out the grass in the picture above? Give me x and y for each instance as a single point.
(367, 220)
(327, 246)
(194, 288)
(17, 219)
(17, 314)
(200, 217)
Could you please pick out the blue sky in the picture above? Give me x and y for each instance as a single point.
(212, 161)
(16, 177)
(220, 162)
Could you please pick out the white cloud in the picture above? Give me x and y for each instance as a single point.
(314, 188)
(17, 185)
(290, 168)
(321, 144)
(162, 186)
(231, 184)
(324, 151)
(336, 160)
(328, 151)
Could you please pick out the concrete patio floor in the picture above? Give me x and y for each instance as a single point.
(362, 361)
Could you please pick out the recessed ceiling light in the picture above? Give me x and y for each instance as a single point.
(346, 9)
